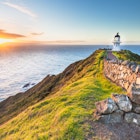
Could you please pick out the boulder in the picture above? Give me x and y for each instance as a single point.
(130, 64)
(115, 117)
(123, 102)
(137, 86)
(137, 109)
(126, 85)
(137, 69)
(120, 62)
(132, 118)
(32, 84)
(134, 76)
(133, 67)
(134, 95)
(126, 62)
(131, 80)
(26, 85)
(121, 67)
(106, 106)
(138, 81)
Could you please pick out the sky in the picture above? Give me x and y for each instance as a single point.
(69, 21)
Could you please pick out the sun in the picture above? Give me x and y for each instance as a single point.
(2, 41)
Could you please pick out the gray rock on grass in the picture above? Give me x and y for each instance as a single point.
(123, 102)
(115, 117)
(106, 106)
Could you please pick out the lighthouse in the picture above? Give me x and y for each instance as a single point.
(116, 43)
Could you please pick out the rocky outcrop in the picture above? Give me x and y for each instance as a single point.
(119, 108)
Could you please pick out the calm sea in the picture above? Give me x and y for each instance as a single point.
(29, 65)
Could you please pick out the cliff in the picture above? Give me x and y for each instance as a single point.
(61, 106)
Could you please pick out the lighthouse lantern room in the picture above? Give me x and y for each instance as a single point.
(116, 43)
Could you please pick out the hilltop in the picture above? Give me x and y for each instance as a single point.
(61, 106)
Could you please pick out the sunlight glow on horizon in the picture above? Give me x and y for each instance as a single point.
(69, 22)
(2, 41)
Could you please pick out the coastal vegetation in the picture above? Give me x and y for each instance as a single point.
(127, 55)
(60, 107)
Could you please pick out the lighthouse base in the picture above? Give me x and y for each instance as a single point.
(116, 47)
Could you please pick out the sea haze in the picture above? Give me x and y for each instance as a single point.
(24, 65)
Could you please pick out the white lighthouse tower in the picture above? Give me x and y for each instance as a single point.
(116, 43)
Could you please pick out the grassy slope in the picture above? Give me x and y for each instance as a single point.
(65, 114)
(127, 55)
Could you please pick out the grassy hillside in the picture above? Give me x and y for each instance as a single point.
(65, 110)
(127, 55)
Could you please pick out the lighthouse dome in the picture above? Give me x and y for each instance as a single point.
(117, 35)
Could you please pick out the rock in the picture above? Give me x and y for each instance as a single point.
(134, 76)
(130, 87)
(133, 67)
(126, 85)
(134, 95)
(120, 62)
(131, 79)
(137, 109)
(26, 85)
(33, 84)
(123, 102)
(137, 69)
(137, 86)
(115, 61)
(130, 64)
(138, 81)
(115, 117)
(126, 62)
(121, 67)
(106, 106)
(132, 118)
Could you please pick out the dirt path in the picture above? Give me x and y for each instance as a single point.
(117, 131)
(111, 56)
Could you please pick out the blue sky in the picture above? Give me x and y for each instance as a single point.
(70, 21)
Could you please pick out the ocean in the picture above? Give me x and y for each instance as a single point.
(22, 68)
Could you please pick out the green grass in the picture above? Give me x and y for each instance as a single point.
(64, 115)
(127, 55)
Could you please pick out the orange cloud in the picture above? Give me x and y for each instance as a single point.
(37, 33)
(55, 42)
(6, 35)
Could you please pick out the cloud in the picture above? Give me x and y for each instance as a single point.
(6, 35)
(56, 42)
(132, 41)
(67, 41)
(53, 42)
(21, 9)
(37, 33)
